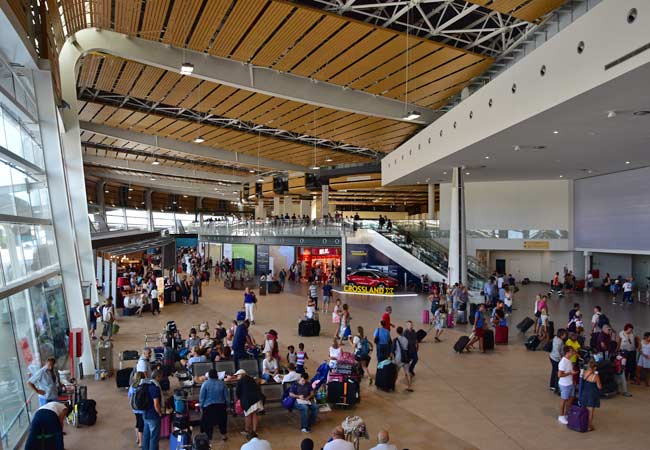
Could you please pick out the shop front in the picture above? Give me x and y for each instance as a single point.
(324, 261)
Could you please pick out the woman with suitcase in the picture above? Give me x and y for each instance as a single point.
(590, 391)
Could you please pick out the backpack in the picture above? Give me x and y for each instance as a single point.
(141, 400)
(404, 355)
(364, 348)
(602, 320)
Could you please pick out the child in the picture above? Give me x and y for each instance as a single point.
(508, 301)
(292, 356)
(440, 319)
(301, 356)
(336, 312)
(544, 318)
(310, 312)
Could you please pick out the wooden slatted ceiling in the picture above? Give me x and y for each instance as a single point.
(263, 28)
(154, 19)
(210, 20)
(240, 19)
(528, 10)
(127, 14)
(228, 139)
(180, 22)
(100, 13)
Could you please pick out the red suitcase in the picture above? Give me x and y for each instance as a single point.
(501, 335)
(165, 426)
(425, 317)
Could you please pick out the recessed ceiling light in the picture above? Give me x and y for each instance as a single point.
(487, 157)
(199, 140)
(561, 176)
(187, 68)
(152, 179)
(589, 171)
(107, 192)
(328, 159)
(185, 196)
(142, 203)
(556, 132)
(130, 189)
(251, 171)
(235, 192)
(129, 197)
(90, 201)
(174, 203)
(467, 173)
(412, 115)
(627, 162)
(260, 180)
(155, 162)
(216, 189)
(444, 173)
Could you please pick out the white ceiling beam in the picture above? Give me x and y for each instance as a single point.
(188, 147)
(166, 185)
(233, 73)
(161, 169)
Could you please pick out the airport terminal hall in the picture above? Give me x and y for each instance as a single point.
(324, 224)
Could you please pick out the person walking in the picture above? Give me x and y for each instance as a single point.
(327, 295)
(155, 303)
(45, 382)
(93, 315)
(152, 415)
(344, 326)
(313, 292)
(249, 304)
(196, 288)
(303, 393)
(382, 341)
(401, 356)
(362, 349)
(108, 317)
(413, 346)
(213, 398)
(479, 327)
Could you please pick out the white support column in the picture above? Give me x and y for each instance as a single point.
(431, 202)
(99, 193)
(305, 208)
(288, 207)
(199, 208)
(457, 240)
(61, 208)
(148, 204)
(277, 207)
(587, 268)
(325, 200)
(259, 210)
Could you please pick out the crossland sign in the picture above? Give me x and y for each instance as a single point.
(378, 290)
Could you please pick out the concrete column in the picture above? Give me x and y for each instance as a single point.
(148, 204)
(587, 267)
(314, 209)
(62, 206)
(100, 187)
(325, 199)
(259, 209)
(457, 239)
(431, 202)
(277, 207)
(288, 206)
(305, 207)
(198, 209)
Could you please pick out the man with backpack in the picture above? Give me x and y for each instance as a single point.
(108, 317)
(147, 398)
(401, 356)
(413, 346)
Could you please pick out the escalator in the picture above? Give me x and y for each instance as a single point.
(427, 245)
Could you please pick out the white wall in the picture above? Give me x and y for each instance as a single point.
(526, 205)
(612, 263)
(538, 265)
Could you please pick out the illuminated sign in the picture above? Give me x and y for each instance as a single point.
(368, 290)
(537, 245)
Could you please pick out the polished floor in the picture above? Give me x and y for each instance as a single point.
(494, 401)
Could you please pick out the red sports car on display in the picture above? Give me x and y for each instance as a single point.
(372, 278)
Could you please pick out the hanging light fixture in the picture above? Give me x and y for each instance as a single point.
(199, 140)
(315, 166)
(259, 144)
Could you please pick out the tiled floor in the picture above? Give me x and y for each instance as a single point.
(497, 401)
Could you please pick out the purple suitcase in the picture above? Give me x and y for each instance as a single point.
(425, 317)
(578, 418)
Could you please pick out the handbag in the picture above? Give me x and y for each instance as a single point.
(288, 402)
(116, 328)
(238, 409)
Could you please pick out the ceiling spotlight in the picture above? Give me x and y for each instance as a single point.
(199, 140)
(130, 189)
(517, 148)
(129, 197)
(487, 157)
(185, 196)
(155, 162)
(152, 179)
(174, 203)
(561, 176)
(315, 167)
(556, 132)
(260, 180)
(251, 171)
(611, 114)
(328, 159)
(467, 173)
(187, 68)
(412, 115)
(627, 162)
(216, 189)
(107, 192)
(444, 173)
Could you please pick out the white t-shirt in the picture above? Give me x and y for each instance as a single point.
(57, 407)
(594, 321)
(108, 313)
(356, 341)
(154, 293)
(566, 366)
(384, 447)
(335, 354)
(627, 287)
(143, 365)
(269, 366)
(500, 282)
(257, 444)
(310, 312)
(338, 444)
(291, 377)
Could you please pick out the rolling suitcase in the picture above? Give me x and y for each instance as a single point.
(488, 340)
(241, 316)
(473, 307)
(309, 328)
(123, 377)
(578, 418)
(461, 343)
(425, 317)
(607, 374)
(180, 440)
(385, 377)
(420, 335)
(525, 324)
(450, 321)
(201, 442)
(344, 393)
(532, 343)
(501, 335)
(165, 426)
(105, 357)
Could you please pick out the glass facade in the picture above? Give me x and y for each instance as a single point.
(33, 313)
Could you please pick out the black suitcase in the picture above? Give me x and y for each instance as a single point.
(532, 343)
(525, 324)
(309, 328)
(461, 343)
(344, 393)
(550, 329)
(123, 377)
(87, 412)
(473, 307)
(488, 340)
(385, 377)
(420, 335)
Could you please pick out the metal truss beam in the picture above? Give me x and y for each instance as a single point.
(238, 75)
(189, 148)
(122, 101)
(490, 33)
(164, 184)
(161, 169)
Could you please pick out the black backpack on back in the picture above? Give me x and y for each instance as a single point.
(141, 400)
